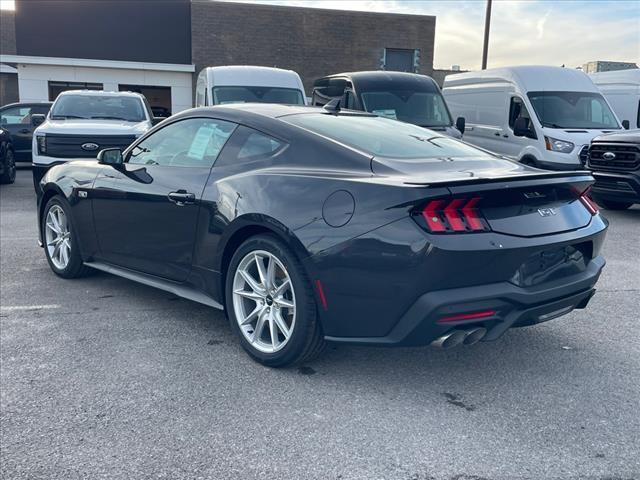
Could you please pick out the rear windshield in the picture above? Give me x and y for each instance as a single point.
(288, 96)
(383, 137)
(129, 109)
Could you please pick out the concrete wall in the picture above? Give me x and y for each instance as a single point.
(313, 42)
(34, 81)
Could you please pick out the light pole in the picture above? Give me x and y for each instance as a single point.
(487, 24)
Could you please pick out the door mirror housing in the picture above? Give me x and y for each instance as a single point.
(110, 156)
(522, 128)
(461, 124)
(625, 124)
(37, 119)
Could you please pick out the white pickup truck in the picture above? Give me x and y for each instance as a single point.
(83, 122)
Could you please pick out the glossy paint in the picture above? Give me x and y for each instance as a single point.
(355, 231)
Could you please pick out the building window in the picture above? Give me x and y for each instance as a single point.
(401, 60)
(159, 98)
(56, 88)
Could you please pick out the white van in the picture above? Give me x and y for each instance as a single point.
(541, 116)
(622, 90)
(245, 83)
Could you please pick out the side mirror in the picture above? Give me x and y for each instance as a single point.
(461, 124)
(110, 156)
(157, 120)
(521, 128)
(37, 119)
(625, 124)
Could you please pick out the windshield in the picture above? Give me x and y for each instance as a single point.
(383, 137)
(129, 109)
(289, 96)
(426, 109)
(572, 110)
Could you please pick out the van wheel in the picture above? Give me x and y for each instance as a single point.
(271, 304)
(529, 161)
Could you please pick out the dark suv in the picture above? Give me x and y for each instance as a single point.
(615, 163)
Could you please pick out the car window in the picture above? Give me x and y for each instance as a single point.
(517, 109)
(105, 107)
(194, 142)
(16, 116)
(249, 145)
(383, 137)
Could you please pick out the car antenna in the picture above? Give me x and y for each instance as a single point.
(333, 106)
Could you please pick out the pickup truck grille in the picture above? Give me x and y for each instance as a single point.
(627, 157)
(70, 146)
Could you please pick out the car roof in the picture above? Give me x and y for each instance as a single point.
(379, 79)
(273, 110)
(252, 76)
(26, 104)
(101, 93)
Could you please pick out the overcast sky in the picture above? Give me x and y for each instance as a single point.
(568, 32)
(522, 32)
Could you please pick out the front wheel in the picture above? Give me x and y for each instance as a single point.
(271, 304)
(60, 240)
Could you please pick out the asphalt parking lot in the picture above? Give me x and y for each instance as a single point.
(105, 378)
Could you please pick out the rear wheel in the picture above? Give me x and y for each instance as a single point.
(271, 305)
(610, 205)
(9, 174)
(60, 240)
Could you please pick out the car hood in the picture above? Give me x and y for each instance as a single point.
(93, 127)
(447, 169)
(627, 136)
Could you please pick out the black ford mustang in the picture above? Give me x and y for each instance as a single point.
(310, 224)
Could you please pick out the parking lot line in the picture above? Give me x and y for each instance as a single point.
(27, 307)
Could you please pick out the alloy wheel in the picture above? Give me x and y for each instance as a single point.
(58, 237)
(264, 301)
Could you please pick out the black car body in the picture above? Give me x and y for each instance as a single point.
(614, 160)
(16, 119)
(393, 250)
(408, 97)
(7, 159)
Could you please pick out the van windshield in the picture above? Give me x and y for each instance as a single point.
(425, 109)
(288, 96)
(129, 109)
(382, 137)
(572, 110)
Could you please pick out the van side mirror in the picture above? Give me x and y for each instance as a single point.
(625, 124)
(522, 128)
(37, 119)
(461, 124)
(110, 156)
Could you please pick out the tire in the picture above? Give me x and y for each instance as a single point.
(611, 205)
(69, 265)
(529, 161)
(9, 174)
(305, 339)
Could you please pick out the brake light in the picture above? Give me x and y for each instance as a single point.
(589, 204)
(457, 215)
(468, 316)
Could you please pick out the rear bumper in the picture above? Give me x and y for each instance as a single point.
(617, 186)
(513, 306)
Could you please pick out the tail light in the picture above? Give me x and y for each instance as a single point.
(589, 204)
(453, 216)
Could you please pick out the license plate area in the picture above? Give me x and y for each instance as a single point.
(551, 264)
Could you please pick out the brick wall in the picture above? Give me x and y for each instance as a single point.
(7, 32)
(313, 42)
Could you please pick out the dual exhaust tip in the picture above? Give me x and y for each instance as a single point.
(460, 337)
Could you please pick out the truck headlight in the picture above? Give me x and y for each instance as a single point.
(556, 145)
(41, 140)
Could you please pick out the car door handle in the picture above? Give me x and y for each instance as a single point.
(25, 130)
(182, 197)
(497, 134)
